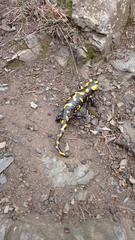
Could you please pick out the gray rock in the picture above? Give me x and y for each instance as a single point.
(103, 230)
(101, 20)
(62, 56)
(3, 87)
(25, 55)
(66, 208)
(59, 175)
(126, 65)
(2, 145)
(33, 43)
(133, 110)
(7, 28)
(1, 117)
(4, 226)
(128, 134)
(80, 54)
(34, 227)
(3, 179)
(5, 162)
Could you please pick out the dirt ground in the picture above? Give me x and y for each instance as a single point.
(30, 133)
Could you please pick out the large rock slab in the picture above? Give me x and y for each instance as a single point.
(59, 175)
(101, 20)
(34, 227)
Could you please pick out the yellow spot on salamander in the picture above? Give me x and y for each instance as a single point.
(81, 100)
(74, 98)
(96, 82)
(95, 87)
(81, 93)
(86, 85)
(90, 80)
(63, 127)
(68, 105)
(87, 90)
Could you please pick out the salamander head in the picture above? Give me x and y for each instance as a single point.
(93, 84)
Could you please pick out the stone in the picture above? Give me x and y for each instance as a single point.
(62, 56)
(133, 110)
(101, 20)
(66, 208)
(59, 176)
(132, 180)
(25, 55)
(125, 65)
(5, 162)
(4, 226)
(33, 105)
(123, 164)
(7, 28)
(33, 43)
(80, 54)
(3, 179)
(1, 117)
(2, 145)
(3, 87)
(6, 209)
(120, 104)
(35, 227)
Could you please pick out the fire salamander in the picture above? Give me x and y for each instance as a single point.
(73, 105)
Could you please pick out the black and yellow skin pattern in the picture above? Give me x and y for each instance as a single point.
(73, 105)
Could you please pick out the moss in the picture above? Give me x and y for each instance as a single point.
(93, 54)
(129, 20)
(13, 64)
(69, 7)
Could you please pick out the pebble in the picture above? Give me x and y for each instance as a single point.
(108, 103)
(2, 145)
(6, 209)
(133, 110)
(73, 201)
(123, 164)
(66, 208)
(3, 179)
(132, 180)
(5, 162)
(120, 104)
(3, 87)
(1, 117)
(94, 121)
(33, 105)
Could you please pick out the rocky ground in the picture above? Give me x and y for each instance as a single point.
(97, 181)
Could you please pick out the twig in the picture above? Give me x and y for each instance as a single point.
(76, 69)
(83, 215)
